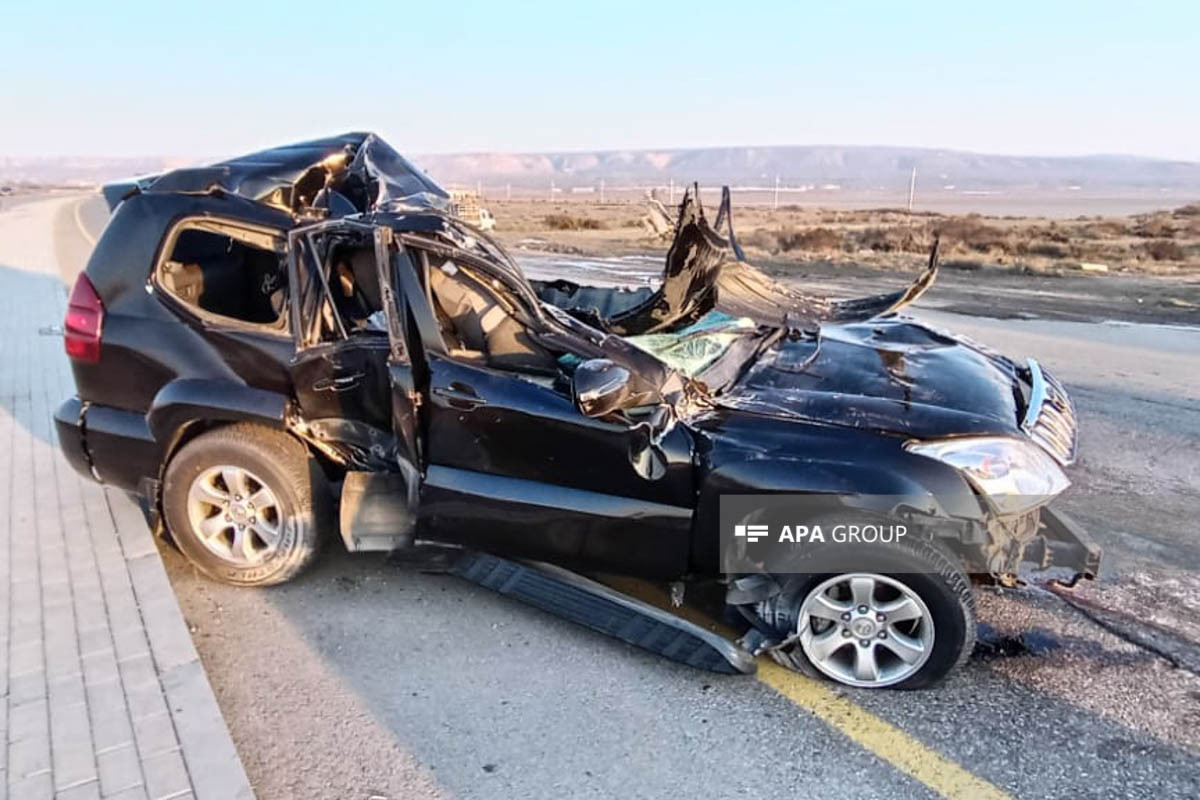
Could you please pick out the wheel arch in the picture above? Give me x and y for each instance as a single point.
(184, 402)
(187, 408)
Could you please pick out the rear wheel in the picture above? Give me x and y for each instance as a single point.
(246, 505)
(875, 616)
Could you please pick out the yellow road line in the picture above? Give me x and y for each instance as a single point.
(873, 734)
(870, 732)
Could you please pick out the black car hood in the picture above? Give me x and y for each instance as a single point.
(891, 375)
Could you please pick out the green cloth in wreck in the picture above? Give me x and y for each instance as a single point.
(691, 350)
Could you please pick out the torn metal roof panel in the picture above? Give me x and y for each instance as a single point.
(360, 167)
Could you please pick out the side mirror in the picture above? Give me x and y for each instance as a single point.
(601, 387)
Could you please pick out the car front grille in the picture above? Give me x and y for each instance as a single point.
(1050, 416)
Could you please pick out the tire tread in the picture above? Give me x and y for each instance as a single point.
(951, 575)
(303, 476)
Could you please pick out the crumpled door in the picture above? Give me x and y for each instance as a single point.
(344, 374)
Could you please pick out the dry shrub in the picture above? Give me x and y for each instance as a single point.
(1051, 233)
(881, 240)
(1158, 226)
(1103, 228)
(1163, 250)
(762, 239)
(898, 214)
(1047, 249)
(570, 222)
(892, 240)
(1104, 252)
(971, 242)
(973, 234)
(815, 240)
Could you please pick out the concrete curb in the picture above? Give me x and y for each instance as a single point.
(212, 761)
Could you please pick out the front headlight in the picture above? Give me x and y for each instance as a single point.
(1014, 474)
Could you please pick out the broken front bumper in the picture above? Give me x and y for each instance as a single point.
(1061, 545)
(1043, 541)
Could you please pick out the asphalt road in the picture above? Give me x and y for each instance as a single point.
(368, 679)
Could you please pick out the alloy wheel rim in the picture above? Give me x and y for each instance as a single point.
(235, 515)
(864, 629)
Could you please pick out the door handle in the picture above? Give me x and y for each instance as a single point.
(338, 383)
(459, 395)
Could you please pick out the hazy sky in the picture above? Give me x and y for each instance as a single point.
(210, 78)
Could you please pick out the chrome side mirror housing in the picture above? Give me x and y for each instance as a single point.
(601, 387)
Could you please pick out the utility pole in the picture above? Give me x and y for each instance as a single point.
(776, 206)
(912, 188)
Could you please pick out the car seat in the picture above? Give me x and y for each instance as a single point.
(482, 324)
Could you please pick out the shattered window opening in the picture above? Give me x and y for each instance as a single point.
(226, 273)
(349, 298)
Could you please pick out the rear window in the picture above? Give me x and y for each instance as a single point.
(227, 273)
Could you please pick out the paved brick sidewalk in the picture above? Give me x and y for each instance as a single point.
(104, 694)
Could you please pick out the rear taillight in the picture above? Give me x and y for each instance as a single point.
(84, 321)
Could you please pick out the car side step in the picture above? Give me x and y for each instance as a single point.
(593, 605)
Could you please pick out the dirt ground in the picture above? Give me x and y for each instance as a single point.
(1162, 243)
(1144, 267)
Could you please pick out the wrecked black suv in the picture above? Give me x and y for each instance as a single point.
(306, 340)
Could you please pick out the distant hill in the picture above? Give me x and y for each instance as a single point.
(81, 169)
(850, 168)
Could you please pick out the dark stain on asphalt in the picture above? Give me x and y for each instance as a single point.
(991, 643)
(1119, 749)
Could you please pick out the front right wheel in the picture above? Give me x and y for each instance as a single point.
(883, 615)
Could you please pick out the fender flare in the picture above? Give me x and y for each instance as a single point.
(185, 401)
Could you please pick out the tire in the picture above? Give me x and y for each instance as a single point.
(257, 539)
(922, 569)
